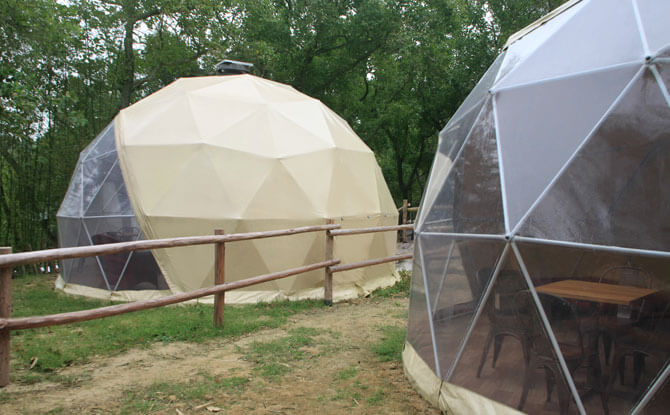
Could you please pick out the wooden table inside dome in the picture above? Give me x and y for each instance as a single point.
(595, 291)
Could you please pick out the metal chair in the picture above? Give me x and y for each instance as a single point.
(577, 349)
(618, 318)
(648, 338)
(501, 312)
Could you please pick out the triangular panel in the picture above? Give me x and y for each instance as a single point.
(654, 17)
(94, 173)
(541, 125)
(69, 232)
(112, 197)
(342, 135)
(614, 191)
(86, 271)
(147, 180)
(142, 273)
(227, 176)
(525, 45)
(185, 188)
(72, 205)
(352, 184)
(110, 229)
(458, 295)
(316, 186)
(418, 322)
(253, 134)
(103, 143)
(279, 196)
(436, 250)
(301, 139)
(165, 120)
(474, 101)
(306, 118)
(455, 133)
(597, 37)
(469, 200)
(213, 114)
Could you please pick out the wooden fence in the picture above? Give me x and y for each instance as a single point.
(8, 261)
(405, 210)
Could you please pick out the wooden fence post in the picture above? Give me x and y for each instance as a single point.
(219, 278)
(5, 312)
(328, 282)
(405, 205)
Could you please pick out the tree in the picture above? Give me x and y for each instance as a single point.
(39, 40)
(396, 70)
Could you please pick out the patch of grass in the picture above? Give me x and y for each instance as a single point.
(390, 346)
(59, 346)
(376, 397)
(360, 385)
(4, 397)
(272, 358)
(399, 289)
(160, 395)
(347, 373)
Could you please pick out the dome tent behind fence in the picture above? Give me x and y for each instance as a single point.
(242, 154)
(542, 263)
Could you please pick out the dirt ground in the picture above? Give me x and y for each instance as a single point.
(340, 375)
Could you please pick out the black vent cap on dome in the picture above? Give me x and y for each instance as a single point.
(230, 67)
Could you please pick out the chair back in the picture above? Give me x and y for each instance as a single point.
(501, 303)
(627, 275)
(562, 318)
(632, 276)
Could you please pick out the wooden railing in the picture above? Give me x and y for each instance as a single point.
(8, 261)
(405, 209)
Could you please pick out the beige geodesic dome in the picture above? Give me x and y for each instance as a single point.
(245, 154)
(542, 256)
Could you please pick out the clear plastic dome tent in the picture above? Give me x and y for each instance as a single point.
(541, 275)
(238, 153)
(97, 210)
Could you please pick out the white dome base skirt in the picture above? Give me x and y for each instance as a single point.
(449, 398)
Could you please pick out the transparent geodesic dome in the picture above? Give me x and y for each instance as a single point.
(96, 210)
(542, 257)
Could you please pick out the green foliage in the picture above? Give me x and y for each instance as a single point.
(399, 289)
(59, 346)
(390, 347)
(396, 70)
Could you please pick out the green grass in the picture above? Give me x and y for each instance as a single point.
(59, 346)
(390, 346)
(376, 397)
(272, 358)
(347, 373)
(160, 395)
(400, 289)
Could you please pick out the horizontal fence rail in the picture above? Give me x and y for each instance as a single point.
(24, 258)
(358, 231)
(368, 263)
(219, 239)
(115, 310)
